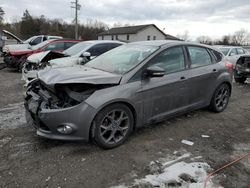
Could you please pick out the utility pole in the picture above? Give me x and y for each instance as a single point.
(75, 5)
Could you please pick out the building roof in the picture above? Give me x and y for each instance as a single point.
(133, 30)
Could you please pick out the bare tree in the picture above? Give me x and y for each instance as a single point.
(185, 36)
(1, 14)
(204, 40)
(239, 37)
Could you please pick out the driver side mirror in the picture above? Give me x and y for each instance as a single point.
(155, 71)
(85, 57)
(86, 54)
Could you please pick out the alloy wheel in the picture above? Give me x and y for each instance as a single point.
(114, 126)
(222, 97)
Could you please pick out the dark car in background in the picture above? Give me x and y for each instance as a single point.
(242, 69)
(130, 86)
(16, 58)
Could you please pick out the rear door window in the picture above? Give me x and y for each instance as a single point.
(240, 51)
(199, 56)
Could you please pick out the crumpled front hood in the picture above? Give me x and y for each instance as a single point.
(77, 74)
(45, 56)
(36, 58)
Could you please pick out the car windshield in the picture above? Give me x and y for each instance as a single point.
(29, 39)
(224, 50)
(40, 45)
(77, 48)
(122, 59)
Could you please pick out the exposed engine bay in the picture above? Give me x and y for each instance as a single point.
(62, 95)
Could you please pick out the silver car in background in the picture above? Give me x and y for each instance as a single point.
(233, 53)
(130, 86)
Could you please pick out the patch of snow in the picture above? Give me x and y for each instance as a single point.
(174, 173)
(5, 140)
(195, 173)
(119, 186)
(187, 142)
(205, 136)
(12, 116)
(23, 144)
(186, 155)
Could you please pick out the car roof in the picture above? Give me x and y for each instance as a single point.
(170, 43)
(104, 41)
(229, 47)
(65, 40)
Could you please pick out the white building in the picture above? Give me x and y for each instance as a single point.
(135, 33)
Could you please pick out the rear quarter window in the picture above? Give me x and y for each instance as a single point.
(217, 55)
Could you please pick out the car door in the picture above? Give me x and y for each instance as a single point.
(203, 73)
(168, 94)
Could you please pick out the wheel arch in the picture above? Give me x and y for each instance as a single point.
(128, 104)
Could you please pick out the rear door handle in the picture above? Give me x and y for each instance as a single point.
(214, 70)
(183, 78)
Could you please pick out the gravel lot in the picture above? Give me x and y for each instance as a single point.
(29, 161)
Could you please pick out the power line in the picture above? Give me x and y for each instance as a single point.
(75, 5)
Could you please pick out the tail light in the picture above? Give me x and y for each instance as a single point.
(229, 65)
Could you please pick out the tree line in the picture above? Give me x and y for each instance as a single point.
(30, 25)
(238, 38)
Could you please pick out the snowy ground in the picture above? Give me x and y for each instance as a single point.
(179, 152)
(180, 172)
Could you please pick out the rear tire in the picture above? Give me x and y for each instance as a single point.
(113, 125)
(240, 79)
(220, 98)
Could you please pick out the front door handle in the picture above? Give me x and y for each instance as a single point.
(183, 78)
(214, 70)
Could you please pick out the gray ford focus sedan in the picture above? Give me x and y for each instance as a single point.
(126, 88)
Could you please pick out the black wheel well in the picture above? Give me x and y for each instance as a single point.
(131, 107)
(229, 85)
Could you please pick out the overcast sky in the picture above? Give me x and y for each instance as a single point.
(213, 18)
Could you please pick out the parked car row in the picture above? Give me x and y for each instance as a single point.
(77, 54)
(233, 53)
(125, 88)
(15, 59)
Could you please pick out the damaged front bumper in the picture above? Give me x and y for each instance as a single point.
(71, 123)
(30, 70)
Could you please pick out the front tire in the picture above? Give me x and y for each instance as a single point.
(220, 98)
(113, 125)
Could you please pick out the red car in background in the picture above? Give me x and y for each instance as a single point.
(16, 59)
